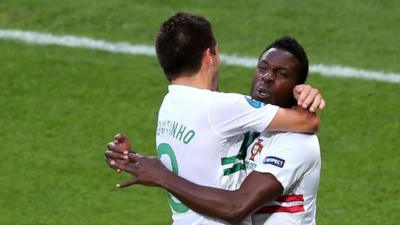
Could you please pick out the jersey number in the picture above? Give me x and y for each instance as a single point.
(166, 149)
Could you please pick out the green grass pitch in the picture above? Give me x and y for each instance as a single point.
(60, 106)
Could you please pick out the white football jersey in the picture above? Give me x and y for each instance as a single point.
(199, 136)
(294, 160)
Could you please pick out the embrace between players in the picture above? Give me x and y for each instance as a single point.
(227, 158)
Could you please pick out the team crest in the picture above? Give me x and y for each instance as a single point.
(257, 148)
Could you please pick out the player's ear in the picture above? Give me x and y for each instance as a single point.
(208, 56)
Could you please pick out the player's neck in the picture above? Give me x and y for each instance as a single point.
(197, 80)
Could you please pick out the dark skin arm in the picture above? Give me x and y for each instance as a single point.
(231, 206)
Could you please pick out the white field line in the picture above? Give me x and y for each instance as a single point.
(137, 49)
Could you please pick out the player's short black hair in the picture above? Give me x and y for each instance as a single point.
(181, 41)
(292, 46)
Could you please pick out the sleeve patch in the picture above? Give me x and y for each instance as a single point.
(253, 102)
(274, 161)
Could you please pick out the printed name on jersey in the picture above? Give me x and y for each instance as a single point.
(256, 149)
(274, 161)
(253, 102)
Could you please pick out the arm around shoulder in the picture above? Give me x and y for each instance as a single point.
(294, 120)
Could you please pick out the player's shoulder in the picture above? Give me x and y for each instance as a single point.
(305, 144)
(302, 138)
(235, 99)
(226, 95)
(296, 143)
(183, 90)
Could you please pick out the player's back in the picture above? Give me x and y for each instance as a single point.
(196, 130)
(185, 138)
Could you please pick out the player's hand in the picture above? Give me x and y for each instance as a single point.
(120, 144)
(113, 155)
(308, 97)
(118, 149)
(147, 171)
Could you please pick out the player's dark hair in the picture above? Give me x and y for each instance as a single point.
(292, 46)
(180, 43)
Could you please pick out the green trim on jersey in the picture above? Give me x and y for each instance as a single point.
(236, 167)
(229, 160)
(238, 160)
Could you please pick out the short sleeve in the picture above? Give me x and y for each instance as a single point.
(289, 159)
(233, 114)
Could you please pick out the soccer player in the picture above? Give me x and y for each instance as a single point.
(197, 126)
